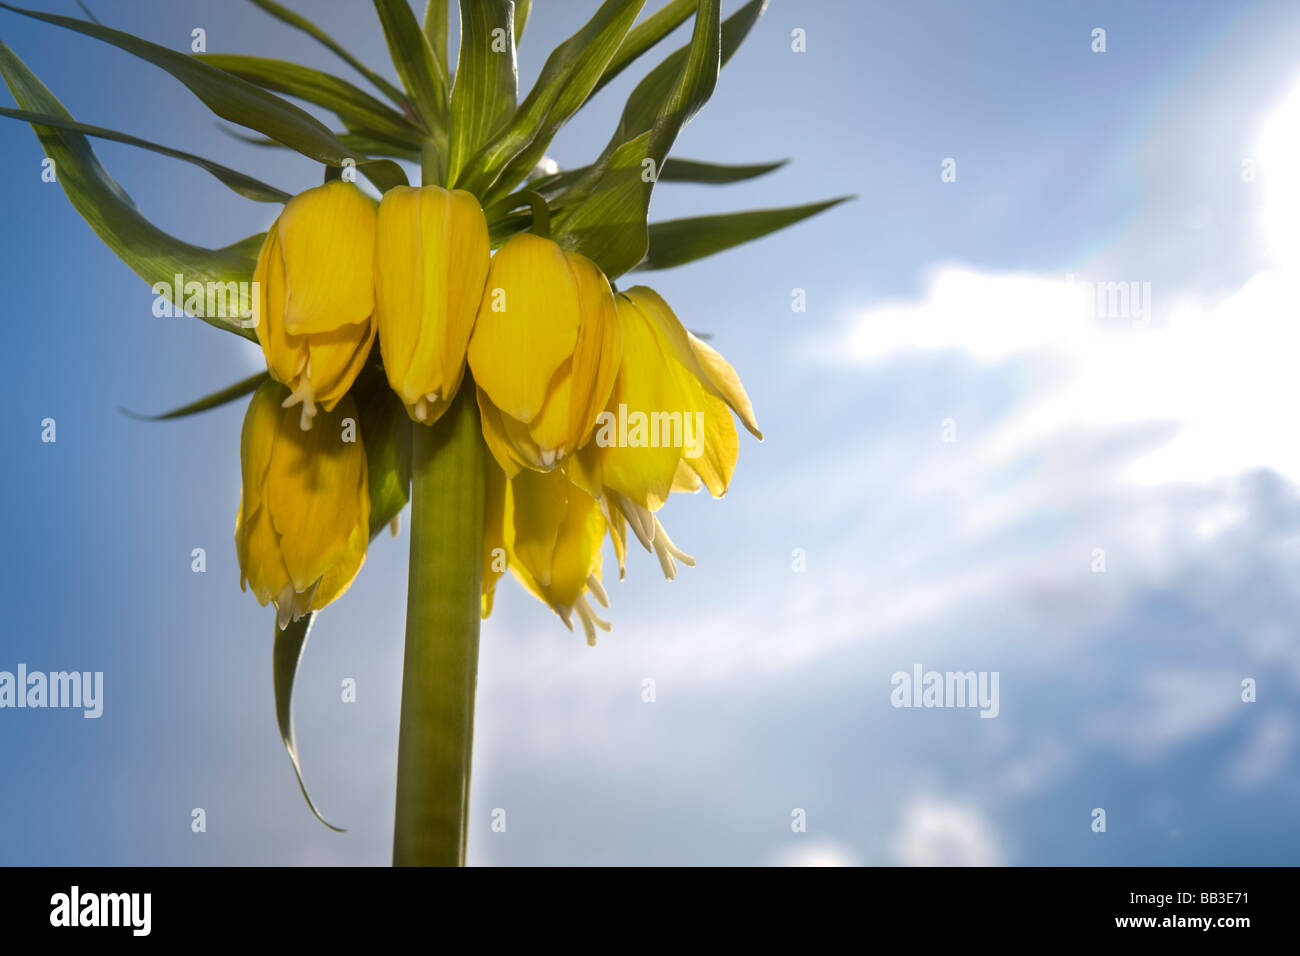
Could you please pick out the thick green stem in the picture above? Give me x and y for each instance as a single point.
(436, 738)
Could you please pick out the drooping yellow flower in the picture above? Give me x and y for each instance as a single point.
(544, 352)
(431, 260)
(315, 281)
(667, 426)
(304, 510)
(552, 531)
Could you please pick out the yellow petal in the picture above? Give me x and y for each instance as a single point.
(285, 354)
(316, 494)
(647, 384)
(432, 253)
(327, 237)
(704, 362)
(527, 324)
(597, 353)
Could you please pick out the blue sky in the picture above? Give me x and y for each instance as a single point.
(1165, 442)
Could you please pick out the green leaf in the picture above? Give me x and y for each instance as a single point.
(679, 241)
(416, 62)
(674, 170)
(363, 142)
(286, 655)
(565, 82)
(237, 100)
(522, 9)
(151, 253)
(714, 174)
(486, 78)
(241, 183)
(643, 109)
(356, 108)
(609, 225)
(437, 16)
(285, 15)
(208, 402)
(386, 436)
(645, 35)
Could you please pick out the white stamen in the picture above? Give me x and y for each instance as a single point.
(598, 590)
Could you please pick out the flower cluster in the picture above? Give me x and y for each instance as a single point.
(556, 357)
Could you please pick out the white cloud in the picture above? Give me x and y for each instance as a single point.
(939, 833)
(1113, 351)
(816, 853)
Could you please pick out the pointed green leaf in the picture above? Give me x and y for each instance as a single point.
(437, 24)
(241, 183)
(522, 9)
(416, 62)
(289, 645)
(644, 110)
(645, 35)
(609, 225)
(151, 253)
(714, 174)
(483, 97)
(679, 241)
(356, 108)
(285, 15)
(565, 82)
(236, 100)
(674, 170)
(208, 402)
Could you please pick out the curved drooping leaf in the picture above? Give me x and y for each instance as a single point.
(609, 224)
(151, 253)
(356, 108)
(241, 183)
(285, 15)
(645, 35)
(286, 654)
(237, 100)
(207, 402)
(566, 81)
(487, 80)
(678, 241)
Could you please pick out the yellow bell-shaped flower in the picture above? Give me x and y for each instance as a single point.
(316, 294)
(431, 260)
(552, 531)
(304, 510)
(544, 352)
(667, 426)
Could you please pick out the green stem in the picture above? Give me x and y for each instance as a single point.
(436, 738)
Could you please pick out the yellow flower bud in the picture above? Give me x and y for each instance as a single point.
(316, 285)
(544, 352)
(304, 510)
(431, 260)
(553, 531)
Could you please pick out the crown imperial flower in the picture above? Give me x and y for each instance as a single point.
(431, 260)
(315, 279)
(544, 352)
(304, 508)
